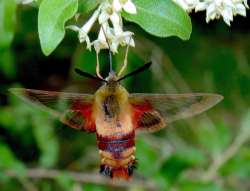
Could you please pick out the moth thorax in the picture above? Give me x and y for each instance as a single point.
(112, 86)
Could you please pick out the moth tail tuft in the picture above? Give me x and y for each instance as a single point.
(121, 172)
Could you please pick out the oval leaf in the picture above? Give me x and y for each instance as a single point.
(51, 19)
(161, 18)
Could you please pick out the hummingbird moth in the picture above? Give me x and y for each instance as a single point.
(115, 115)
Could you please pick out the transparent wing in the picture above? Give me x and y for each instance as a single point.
(73, 109)
(154, 111)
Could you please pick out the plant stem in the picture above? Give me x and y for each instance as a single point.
(218, 162)
(37, 173)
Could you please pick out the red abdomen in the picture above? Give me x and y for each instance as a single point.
(117, 155)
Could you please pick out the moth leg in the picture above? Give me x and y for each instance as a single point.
(98, 66)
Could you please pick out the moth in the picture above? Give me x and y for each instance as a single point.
(115, 116)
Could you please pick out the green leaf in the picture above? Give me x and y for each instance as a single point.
(220, 134)
(85, 6)
(93, 187)
(65, 181)
(161, 18)
(51, 20)
(198, 186)
(9, 161)
(7, 63)
(147, 157)
(7, 21)
(239, 165)
(46, 138)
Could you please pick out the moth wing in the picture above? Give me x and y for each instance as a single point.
(152, 112)
(73, 109)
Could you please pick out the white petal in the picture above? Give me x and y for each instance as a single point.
(114, 46)
(240, 9)
(88, 25)
(103, 17)
(73, 28)
(115, 19)
(88, 43)
(107, 29)
(226, 20)
(182, 4)
(201, 6)
(214, 15)
(82, 36)
(245, 3)
(218, 2)
(26, 1)
(227, 15)
(132, 42)
(101, 42)
(211, 12)
(101, 36)
(129, 7)
(229, 3)
(99, 45)
(96, 46)
(117, 5)
(129, 41)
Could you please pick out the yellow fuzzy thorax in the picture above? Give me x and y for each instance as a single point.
(107, 127)
(119, 92)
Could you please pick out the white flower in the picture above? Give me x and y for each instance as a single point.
(187, 5)
(111, 34)
(100, 42)
(117, 24)
(124, 39)
(115, 36)
(240, 7)
(84, 30)
(222, 8)
(107, 33)
(127, 5)
(107, 12)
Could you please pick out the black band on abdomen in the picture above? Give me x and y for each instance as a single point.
(116, 145)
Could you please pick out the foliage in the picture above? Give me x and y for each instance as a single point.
(7, 20)
(51, 20)
(161, 18)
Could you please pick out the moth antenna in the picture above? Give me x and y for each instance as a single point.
(138, 70)
(88, 75)
(98, 66)
(125, 63)
(110, 54)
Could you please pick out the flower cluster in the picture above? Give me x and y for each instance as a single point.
(111, 31)
(216, 8)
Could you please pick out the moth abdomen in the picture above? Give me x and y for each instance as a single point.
(117, 155)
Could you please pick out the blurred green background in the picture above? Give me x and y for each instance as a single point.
(208, 152)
